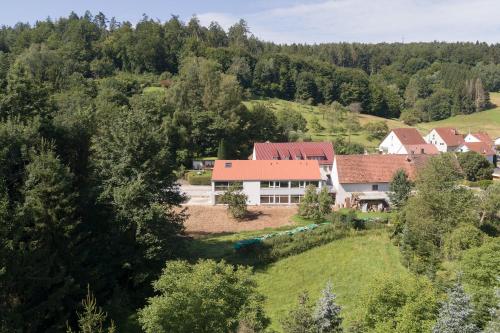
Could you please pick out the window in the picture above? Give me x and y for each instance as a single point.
(311, 183)
(221, 186)
(295, 199)
(264, 185)
(374, 187)
(266, 199)
(282, 199)
(228, 164)
(283, 184)
(295, 184)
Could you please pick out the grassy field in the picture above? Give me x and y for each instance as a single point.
(351, 264)
(309, 111)
(488, 121)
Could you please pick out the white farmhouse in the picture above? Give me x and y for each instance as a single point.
(398, 138)
(365, 179)
(446, 139)
(266, 182)
(479, 147)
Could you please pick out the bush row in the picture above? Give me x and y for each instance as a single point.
(276, 248)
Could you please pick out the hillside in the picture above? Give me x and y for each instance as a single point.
(351, 264)
(488, 121)
(309, 111)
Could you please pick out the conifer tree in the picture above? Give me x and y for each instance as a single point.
(43, 241)
(455, 315)
(327, 314)
(300, 319)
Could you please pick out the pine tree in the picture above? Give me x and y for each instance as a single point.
(92, 319)
(222, 150)
(300, 319)
(455, 315)
(43, 239)
(327, 314)
(493, 326)
(400, 188)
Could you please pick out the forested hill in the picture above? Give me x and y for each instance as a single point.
(425, 81)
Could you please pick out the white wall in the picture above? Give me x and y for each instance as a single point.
(252, 190)
(390, 145)
(434, 138)
(343, 191)
(471, 138)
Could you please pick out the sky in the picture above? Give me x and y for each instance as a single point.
(294, 21)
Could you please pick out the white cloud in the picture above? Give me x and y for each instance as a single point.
(373, 21)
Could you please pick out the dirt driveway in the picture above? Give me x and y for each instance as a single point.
(214, 219)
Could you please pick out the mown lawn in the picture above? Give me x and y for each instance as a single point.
(351, 264)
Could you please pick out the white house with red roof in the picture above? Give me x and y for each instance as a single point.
(320, 151)
(446, 139)
(402, 141)
(480, 143)
(365, 179)
(266, 182)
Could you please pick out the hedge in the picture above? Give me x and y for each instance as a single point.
(195, 179)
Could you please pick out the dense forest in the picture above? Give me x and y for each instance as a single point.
(98, 116)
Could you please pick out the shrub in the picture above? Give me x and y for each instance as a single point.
(275, 248)
(236, 202)
(208, 296)
(475, 166)
(462, 238)
(194, 178)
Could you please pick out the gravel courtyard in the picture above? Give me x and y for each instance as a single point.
(214, 219)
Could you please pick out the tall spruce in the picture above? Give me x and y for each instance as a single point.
(455, 314)
(43, 240)
(327, 313)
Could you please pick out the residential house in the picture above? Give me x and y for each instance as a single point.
(364, 180)
(321, 151)
(423, 148)
(446, 139)
(266, 182)
(397, 138)
(481, 143)
(479, 147)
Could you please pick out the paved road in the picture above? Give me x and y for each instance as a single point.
(197, 195)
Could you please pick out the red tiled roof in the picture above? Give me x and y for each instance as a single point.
(231, 170)
(424, 148)
(480, 147)
(358, 169)
(450, 136)
(290, 150)
(483, 137)
(409, 136)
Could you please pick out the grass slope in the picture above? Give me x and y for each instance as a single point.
(351, 264)
(488, 121)
(309, 111)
